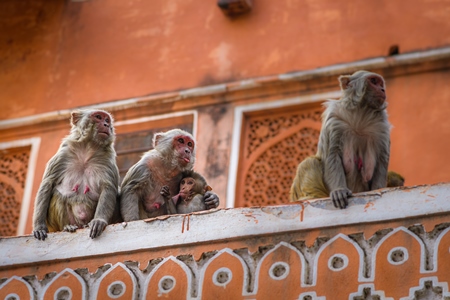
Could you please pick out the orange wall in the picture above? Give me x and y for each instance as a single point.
(59, 54)
(418, 110)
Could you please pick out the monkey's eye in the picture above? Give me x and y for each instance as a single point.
(98, 117)
(190, 144)
(373, 80)
(107, 120)
(181, 141)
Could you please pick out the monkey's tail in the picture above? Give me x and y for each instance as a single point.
(308, 182)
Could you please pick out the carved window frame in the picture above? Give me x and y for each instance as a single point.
(238, 127)
(34, 144)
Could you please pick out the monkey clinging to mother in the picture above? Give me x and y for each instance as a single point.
(354, 144)
(173, 154)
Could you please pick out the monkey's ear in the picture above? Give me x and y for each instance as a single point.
(75, 117)
(344, 81)
(208, 188)
(156, 138)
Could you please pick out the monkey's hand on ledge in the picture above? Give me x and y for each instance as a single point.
(97, 226)
(211, 200)
(340, 196)
(70, 228)
(40, 232)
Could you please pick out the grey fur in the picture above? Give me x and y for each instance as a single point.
(84, 158)
(143, 182)
(354, 126)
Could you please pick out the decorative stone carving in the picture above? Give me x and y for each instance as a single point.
(13, 171)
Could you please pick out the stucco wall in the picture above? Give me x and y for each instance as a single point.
(61, 54)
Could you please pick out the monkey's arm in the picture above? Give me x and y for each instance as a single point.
(165, 193)
(134, 182)
(211, 200)
(334, 174)
(53, 171)
(106, 202)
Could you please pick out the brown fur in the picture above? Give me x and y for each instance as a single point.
(190, 199)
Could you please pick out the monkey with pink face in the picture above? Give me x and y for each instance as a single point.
(80, 183)
(354, 144)
(173, 153)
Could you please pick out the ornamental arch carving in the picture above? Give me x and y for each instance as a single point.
(273, 143)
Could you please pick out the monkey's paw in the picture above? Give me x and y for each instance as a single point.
(97, 226)
(41, 233)
(211, 200)
(340, 197)
(165, 191)
(70, 228)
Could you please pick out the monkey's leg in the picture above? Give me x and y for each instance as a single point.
(308, 182)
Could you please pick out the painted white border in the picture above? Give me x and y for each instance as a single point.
(67, 270)
(95, 287)
(216, 273)
(184, 267)
(285, 274)
(55, 295)
(260, 263)
(405, 257)
(29, 288)
(160, 288)
(162, 117)
(204, 268)
(122, 284)
(325, 246)
(381, 242)
(344, 260)
(239, 112)
(26, 200)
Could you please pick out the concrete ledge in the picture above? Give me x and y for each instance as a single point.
(223, 224)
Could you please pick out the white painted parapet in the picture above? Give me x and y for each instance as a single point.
(392, 243)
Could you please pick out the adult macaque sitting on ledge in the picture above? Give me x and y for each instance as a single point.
(80, 182)
(173, 154)
(353, 150)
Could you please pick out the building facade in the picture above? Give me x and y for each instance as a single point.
(249, 86)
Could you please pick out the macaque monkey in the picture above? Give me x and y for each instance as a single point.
(190, 197)
(394, 179)
(79, 186)
(353, 150)
(173, 153)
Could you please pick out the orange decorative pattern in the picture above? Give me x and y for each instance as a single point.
(390, 265)
(274, 145)
(13, 171)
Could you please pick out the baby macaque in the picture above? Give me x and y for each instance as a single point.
(190, 197)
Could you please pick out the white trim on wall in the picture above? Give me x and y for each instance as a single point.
(239, 112)
(34, 143)
(163, 116)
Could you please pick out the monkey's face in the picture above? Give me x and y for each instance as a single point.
(103, 124)
(184, 147)
(187, 187)
(375, 91)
